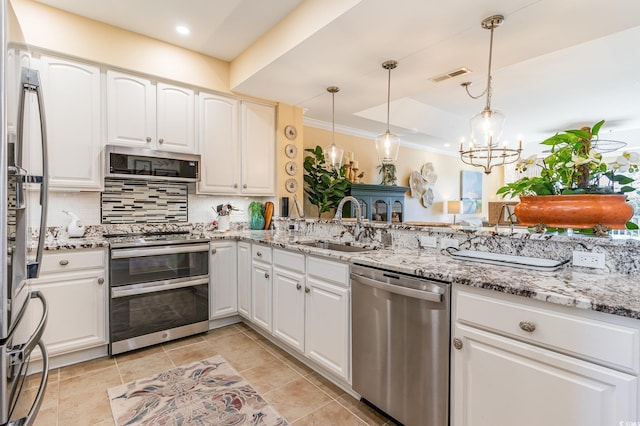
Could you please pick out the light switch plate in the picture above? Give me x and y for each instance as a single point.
(428, 241)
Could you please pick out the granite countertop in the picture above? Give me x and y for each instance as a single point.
(612, 293)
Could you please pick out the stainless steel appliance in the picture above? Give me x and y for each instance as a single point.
(400, 344)
(159, 286)
(139, 163)
(18, 87)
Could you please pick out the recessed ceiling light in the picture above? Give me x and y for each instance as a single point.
(181, 29)
(447, 145)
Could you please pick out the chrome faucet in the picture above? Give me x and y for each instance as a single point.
(359, 229)
(509, 216)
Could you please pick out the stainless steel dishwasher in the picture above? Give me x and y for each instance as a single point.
(400, 343)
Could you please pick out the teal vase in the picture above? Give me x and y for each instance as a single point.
(256, 219)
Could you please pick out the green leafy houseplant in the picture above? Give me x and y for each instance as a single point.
(388, 172)
(325, 186)
(574, 166)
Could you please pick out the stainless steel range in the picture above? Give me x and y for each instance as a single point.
(159, 285)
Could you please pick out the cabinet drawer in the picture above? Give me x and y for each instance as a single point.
(288, 259)
(602, 342)
(72, 260)
(259, 252)
(328, 270)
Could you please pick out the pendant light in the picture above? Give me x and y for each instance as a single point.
(487, 125)
(333, 153)
(387, 144)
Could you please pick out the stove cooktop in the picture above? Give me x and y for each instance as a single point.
(124, 240)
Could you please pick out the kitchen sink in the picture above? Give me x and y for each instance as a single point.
(331, 245)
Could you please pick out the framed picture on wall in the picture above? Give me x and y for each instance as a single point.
(471, 192)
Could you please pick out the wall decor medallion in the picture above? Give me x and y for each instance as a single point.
(290, 132)
(291, 168)
(291, 150)
(291, 185)
(422, 183)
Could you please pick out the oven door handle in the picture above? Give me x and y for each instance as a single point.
(136, 289)
(157, 251)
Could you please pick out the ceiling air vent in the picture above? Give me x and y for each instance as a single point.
(450, 74)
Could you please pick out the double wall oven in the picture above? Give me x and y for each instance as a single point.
(159, 289)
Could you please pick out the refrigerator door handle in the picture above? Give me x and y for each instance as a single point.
(18, 354)
(30, 80)
(33, 411)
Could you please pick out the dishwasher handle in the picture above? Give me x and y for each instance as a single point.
(402, 291)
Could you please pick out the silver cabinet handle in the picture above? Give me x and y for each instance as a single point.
(64, 262)
(307, 290)
(298, 286)
(235, 185)
(244, 186)
(457, 343)
(266, 275)
(148, 138)
(100, 281)
(527, 326)
(213, 251)
(259, 254)
(161, 140)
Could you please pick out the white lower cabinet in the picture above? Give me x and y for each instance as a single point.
(75, 286)
(327, 326)
(244, 280)
(261, 286)
(501, 375)
(223, 276)
(289, 298)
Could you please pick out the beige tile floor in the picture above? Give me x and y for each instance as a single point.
(77, 395)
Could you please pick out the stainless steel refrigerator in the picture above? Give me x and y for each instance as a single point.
(19, 89)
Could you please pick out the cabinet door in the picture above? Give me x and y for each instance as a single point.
(500, 381)
(258, 149)
(175, 118)
(219, 147)
(77, 310)
(288, 307)
(327, 326)
(223, 296)
(262, 295)
(131, 110)
(71, 93)
(244, 280)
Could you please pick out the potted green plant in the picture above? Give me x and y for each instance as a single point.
(388, 172)
(324, 186)
(577, 187)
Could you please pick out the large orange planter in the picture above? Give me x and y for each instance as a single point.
(574, 211)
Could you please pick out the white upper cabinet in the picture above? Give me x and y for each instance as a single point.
(145, 115)
(219, 145)
(176, 118)
(71, 93)
(258, 142)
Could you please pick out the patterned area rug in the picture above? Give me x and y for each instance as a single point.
(208, 392)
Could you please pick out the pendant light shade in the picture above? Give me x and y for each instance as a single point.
(388, 144)
(487, 125)
(333, 153)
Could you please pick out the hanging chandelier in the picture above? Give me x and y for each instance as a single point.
(486, 126)
(387, 144)
(333, 153)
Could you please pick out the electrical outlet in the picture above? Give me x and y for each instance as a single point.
(427, 241)
(448, 242)
(588, 259)
(293, 227)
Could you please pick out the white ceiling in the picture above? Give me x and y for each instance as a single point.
(557, 64)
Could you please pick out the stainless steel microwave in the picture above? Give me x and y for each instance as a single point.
(138, 163)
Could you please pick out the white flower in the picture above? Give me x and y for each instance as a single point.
(633, 157)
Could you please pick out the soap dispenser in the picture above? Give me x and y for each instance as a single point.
(75, 228)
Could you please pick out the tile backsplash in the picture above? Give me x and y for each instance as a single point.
(138, 201)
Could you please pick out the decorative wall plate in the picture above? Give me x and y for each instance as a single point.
(291, 167)
(291, 185)
(290, 132)
(429, 174)
(427, 198)
(416, 183)
(290, 150)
